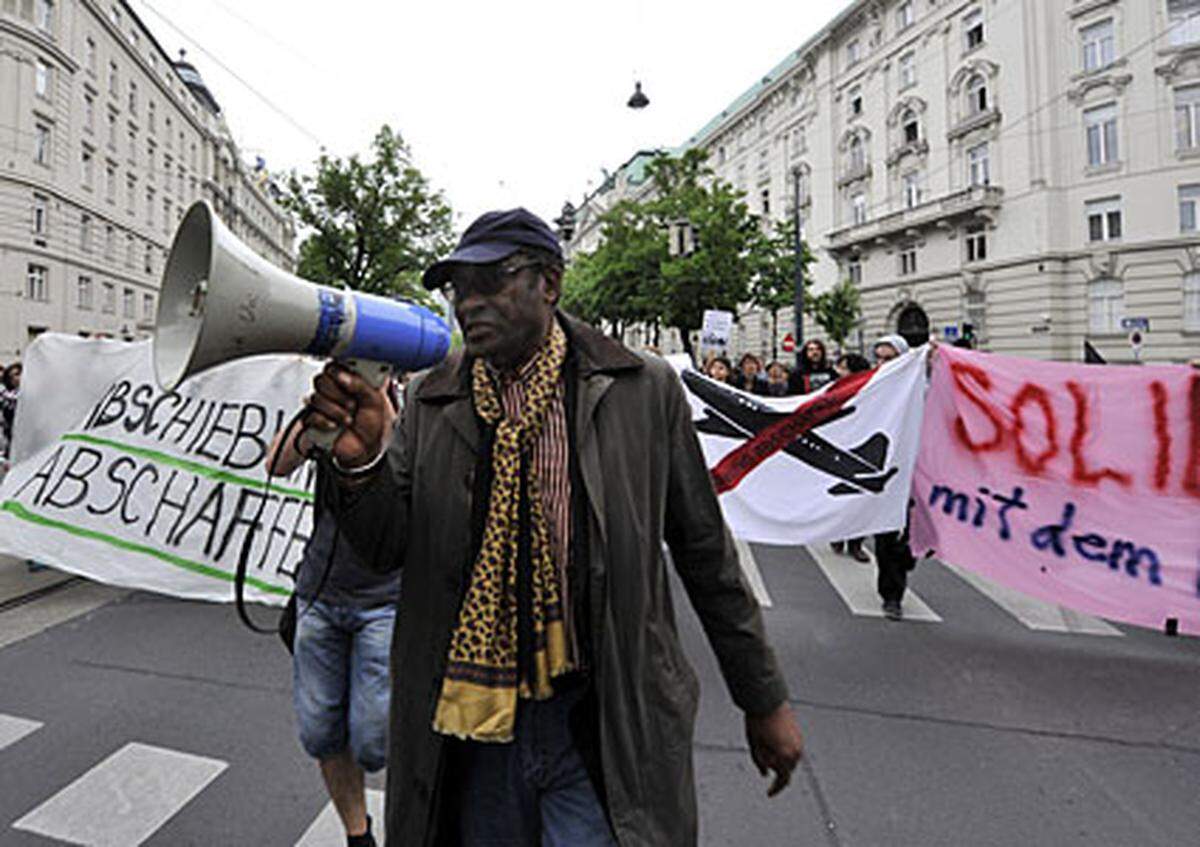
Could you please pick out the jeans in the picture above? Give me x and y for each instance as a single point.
(534, 790)
(341, 686)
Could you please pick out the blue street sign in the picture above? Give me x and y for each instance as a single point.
(950, 331)
(1136, 323)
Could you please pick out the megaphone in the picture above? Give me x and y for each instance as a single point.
(222, 301)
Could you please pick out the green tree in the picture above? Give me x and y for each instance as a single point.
(376, 223)
(837, 310)
(774, 285)
(717, 274)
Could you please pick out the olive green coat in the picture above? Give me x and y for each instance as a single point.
(645, 482)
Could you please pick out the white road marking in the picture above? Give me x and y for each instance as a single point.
(123, 800)
(855, 582)
(326, 830)
(13, 729)
(1034, 613)
(753, 575)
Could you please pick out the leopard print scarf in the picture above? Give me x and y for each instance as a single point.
(482, 682)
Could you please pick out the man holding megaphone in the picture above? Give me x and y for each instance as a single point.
(540, 692)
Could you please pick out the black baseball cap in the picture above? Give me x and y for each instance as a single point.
(494, 236)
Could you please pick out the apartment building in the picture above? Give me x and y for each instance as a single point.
(104, 143)
(1030, 168)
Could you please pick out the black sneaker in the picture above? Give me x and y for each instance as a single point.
(364, 840)
(892, 610)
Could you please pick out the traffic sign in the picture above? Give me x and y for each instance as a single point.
(950, 332)
(1136, 323)
(788, 344)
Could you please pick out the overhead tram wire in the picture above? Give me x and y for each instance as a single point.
(270, 104)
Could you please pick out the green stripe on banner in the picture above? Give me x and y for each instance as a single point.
(17, 510)
(188, 465)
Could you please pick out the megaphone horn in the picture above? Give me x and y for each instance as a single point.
(221, 301)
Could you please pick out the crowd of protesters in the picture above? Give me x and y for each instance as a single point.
(10, 387)
(777, 379)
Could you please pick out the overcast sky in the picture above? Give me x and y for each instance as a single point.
(502, 104)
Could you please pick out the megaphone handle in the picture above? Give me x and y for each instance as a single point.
(375, 373)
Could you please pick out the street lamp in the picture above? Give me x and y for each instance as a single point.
(798, 303)
(638, 100)
(566, 223)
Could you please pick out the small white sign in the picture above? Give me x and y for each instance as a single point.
(715, 329)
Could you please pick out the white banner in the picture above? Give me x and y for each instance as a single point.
(117, 481)
(825, 466)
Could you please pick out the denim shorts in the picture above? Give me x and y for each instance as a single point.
(341, 686)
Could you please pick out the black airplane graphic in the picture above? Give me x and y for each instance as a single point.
(730, 414)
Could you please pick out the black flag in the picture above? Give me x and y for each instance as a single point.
(1091, 356)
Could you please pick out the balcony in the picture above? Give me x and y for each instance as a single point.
(978, 201)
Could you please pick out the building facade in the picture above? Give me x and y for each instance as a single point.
(104, 143)
(1027, 168)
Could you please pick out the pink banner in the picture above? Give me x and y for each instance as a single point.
(1078, 484)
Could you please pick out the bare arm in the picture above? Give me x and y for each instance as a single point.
(282, 459)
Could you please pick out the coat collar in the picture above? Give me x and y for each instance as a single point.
(595, 353)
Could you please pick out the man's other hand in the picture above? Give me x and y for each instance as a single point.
(775, 745)
(343, 399)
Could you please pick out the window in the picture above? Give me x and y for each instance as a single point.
(41, 221)
(766, 202)
(973, 29)
(740, 178)
(975, 238)
(912, 189)
(130, 192)
(110, 182)
(86, 166)
(762, 132)
(908, 261)
(854, 272)
(1099, 45)
(148, 307)
(852, 53)
(858, 208)
(85, 232)
(127, 303)
(1101, 124)
(89, 52)
(149, 207)
(41, 144)
(133, 97)
(977, 95)
(89, 112)
(1184, 21)
(856, 102)
(720, 155)
(1189, 208)
(799, 143)
(45, 15)
(109, 305)
(110, 242)
(911, 126)
(978, 165)
(1104, 219)
(975, 310)
(908, 70)
(112, 78)
(151, 150)
(132, 146)
(112, 130)
(1187, 118)
(148, 260)
(129, 247)
(41, 79)
(36, 285)
(904, 15)
(858, 156)
(1106, 305)
(166, 214)
(83, 293)
(764, 163)
(151, 115)
(167, 124)
(1191, 301)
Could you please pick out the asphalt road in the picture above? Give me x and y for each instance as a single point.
(163, 722)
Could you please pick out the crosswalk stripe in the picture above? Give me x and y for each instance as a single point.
(124, 799)
(1034, 613)
(855, 582)
(753, 575)
(13, 729)
(326, 829)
